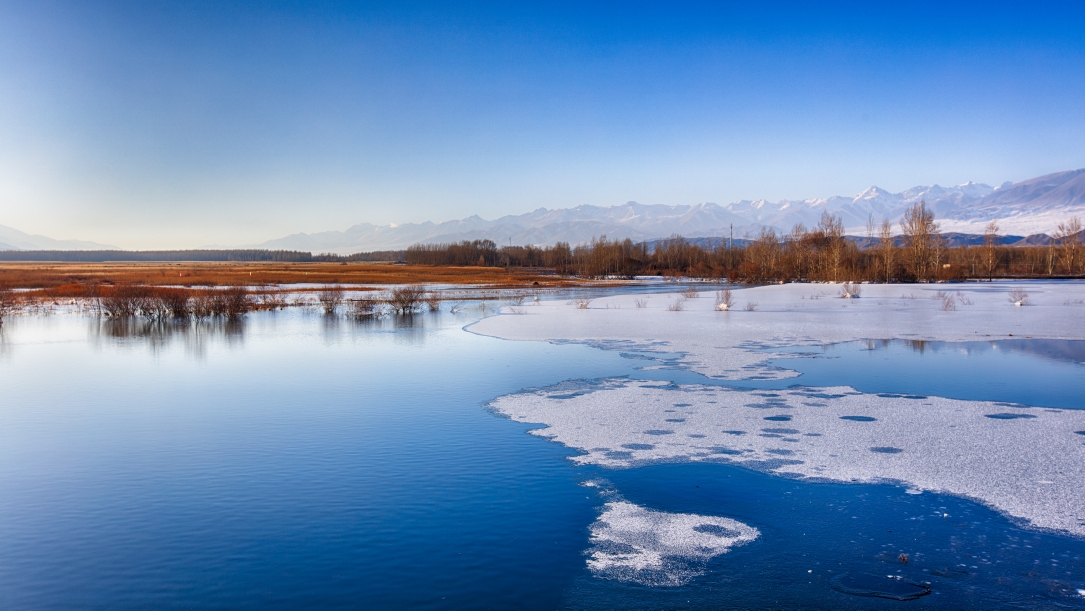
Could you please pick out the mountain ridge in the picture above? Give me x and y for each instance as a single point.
(1033, 206)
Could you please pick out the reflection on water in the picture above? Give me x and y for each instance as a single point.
(1070, 351)
(1040, 372)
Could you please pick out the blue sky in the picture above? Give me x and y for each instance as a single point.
(168, 125)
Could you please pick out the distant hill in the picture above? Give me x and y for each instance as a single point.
(13, 239)
(1031, 207)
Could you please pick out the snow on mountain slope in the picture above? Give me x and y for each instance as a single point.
(1028, 207)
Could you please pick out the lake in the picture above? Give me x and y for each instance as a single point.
(290, 460)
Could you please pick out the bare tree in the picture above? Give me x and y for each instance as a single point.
(990, 249)
(920, 233)
(833, 229)
(1069, 237)
(888, 248)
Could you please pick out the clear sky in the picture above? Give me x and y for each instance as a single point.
(169, 125)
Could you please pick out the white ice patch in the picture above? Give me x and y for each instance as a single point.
(1026, 462)
(722, 344)
(631, 543)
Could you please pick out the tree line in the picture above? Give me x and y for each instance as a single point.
(912, 251)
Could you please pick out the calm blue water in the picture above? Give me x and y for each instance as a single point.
(296, 462)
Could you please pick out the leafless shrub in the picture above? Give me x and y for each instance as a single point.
(236, 301)
(365, 308)
(949, 304)
(330, 297)
(203, 304)
(406, 299)
(689, 293)
(1018, 297)
(582, 304)
(641, 302)
(724, 300)
(850, 290)
(7, 302)
(751, 306)
(517, 298)
(907, 296)
(175, 302)
(963, 299)
(272, 301)
(1074, 302)
(677, 305)
(433, 301)
(127, 300)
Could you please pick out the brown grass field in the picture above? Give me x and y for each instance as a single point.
(73, 279)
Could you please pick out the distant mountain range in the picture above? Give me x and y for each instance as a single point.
(1029, 207)
(13, 239)
(1026, 208)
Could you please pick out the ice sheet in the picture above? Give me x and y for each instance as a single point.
(1026, 462)
(721, 344)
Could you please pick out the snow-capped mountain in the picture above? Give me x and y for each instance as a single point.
(1024, 208)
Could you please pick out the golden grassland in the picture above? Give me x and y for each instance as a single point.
(73, 279)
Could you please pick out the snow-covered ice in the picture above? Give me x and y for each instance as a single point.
(632, 543)
(1026, 462)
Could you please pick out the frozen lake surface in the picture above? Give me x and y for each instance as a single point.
(297, 461)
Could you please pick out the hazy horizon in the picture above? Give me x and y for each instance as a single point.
(159, 126)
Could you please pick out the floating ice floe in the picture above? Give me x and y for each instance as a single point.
(1028, 462)
(632, 543)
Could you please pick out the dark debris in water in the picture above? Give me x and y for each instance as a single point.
(778, 418)
(1005, 416)
(858, 418)
(877, 586)
(658, 432)
(886, 450)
